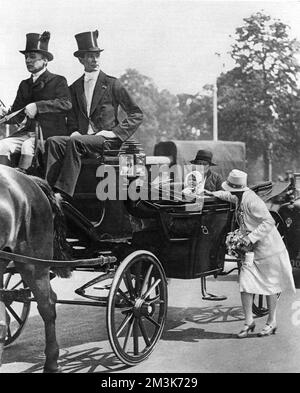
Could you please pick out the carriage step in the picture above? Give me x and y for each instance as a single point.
(209, 296)
(215, 298)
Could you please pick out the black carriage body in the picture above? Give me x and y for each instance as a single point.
(189, 244)
(289, 214)
(284, 204)
(117, 221)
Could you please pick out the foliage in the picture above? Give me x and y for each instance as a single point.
(198, 116)
(162, 117)
(258, 98)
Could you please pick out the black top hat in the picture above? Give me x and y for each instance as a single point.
(203, 155)
(38, 43)
(87, 42)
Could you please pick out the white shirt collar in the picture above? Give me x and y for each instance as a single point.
(91, 75)
(38, 74)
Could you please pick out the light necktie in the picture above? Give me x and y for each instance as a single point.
(89, 93)
(89, 85)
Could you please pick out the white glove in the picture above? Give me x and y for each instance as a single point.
(209, 193)
(31, 110)
(246, 240)
(107, 134)
(75, 133)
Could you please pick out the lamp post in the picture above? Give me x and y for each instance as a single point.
(215, 103)
(215, 110)
(270, 159)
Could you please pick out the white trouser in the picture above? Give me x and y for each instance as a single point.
(23, 144)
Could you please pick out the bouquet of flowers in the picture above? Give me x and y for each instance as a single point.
(236, 247)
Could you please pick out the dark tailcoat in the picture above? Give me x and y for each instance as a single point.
(51, 94)
(109, 95)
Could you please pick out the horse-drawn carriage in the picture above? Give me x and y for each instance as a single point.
(172, 237)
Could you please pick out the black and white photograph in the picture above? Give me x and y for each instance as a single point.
(149, 189)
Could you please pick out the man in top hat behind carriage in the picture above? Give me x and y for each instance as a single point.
(44, 97)
(93, 121)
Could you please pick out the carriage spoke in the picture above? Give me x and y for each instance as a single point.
(16, 285)
(124, 323)
(128, 334)
(152, 321)
(144, 333)
(128, 283)
(127, 300)
(126, 309)
(135, 337)
(156, 300)
(14, 314)
(138, 279)
(7, 280)
(8, 332)
(145, 283)
(151, 288)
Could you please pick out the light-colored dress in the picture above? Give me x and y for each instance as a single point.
(271, 271)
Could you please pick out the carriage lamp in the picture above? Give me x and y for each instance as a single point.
(132, 159)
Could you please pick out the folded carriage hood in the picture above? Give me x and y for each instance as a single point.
(226, 154)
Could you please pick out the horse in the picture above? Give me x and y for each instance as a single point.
(31, 225)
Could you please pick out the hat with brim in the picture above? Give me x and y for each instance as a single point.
(38, 43)
(203, 157)
(236, 181)
(87, 42)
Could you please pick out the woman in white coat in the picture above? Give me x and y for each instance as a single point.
(271, 271)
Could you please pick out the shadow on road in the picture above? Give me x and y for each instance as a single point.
(217, 313)
(85, 360)
(196, 334)
(179, 320)
(79, 325)
(76, 325)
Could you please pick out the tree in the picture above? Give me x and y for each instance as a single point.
(257, 96)
(162, 117)
(197, 114)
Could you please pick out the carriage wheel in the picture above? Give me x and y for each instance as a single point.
(259, 306)
(137, 307)
(16, 312)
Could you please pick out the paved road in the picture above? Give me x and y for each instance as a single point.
(199, 336)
